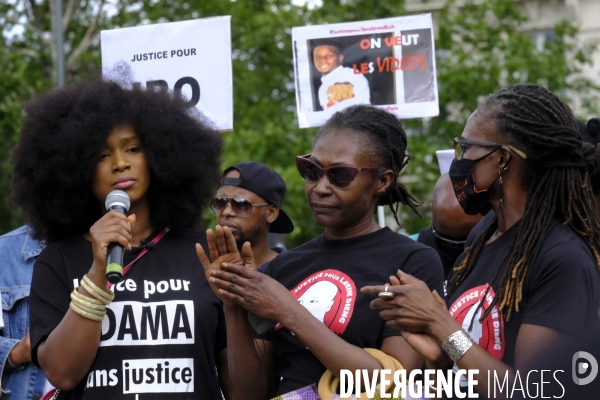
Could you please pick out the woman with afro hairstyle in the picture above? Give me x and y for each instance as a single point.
(528, 283)
(311, 291)
(164, 330)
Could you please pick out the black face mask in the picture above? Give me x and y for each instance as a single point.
(462, 175)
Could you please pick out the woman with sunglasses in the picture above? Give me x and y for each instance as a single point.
(320, 320)
(159, 332)
(528, 282)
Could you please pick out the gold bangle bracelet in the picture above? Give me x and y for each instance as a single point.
(85, 314)
(92, 300)
(91, 291)
(105, 296)
(88, 302)
(85, 306)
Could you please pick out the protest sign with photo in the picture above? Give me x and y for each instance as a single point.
(192, 58)
(388, 63)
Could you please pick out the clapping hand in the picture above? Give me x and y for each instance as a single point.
(223, 249)
(411, 311)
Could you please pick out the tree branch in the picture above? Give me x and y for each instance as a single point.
(31, 7)
(68, 14)
(36, 30)
(34, 23)
(29, 52)
(36, 20)
(87, 40)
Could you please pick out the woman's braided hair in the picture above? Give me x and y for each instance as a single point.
(558, 184)
(387, 147)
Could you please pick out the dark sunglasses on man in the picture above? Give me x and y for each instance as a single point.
(339, 176)
(241, 207)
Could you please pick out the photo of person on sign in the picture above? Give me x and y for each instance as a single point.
(340, 86)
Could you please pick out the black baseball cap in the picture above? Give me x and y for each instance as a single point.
(266, 183)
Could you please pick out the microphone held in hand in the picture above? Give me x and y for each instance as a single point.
(119, 201)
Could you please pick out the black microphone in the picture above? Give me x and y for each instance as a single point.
(119, 201)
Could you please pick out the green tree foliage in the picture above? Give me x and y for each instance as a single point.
(27, 52)
(12, 91)
(481, 48)
(265, 124)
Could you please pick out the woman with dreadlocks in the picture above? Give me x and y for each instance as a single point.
(311, 291)
(528, 279)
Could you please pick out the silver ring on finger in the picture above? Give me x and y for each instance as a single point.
(385, 295)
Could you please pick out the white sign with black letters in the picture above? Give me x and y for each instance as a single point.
(190, 57)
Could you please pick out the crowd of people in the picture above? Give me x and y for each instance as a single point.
(507, 273)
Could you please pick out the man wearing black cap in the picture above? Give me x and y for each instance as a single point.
(249, 203)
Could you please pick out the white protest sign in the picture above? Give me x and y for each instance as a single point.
(388, 63)
(445, 158)
(193, 57)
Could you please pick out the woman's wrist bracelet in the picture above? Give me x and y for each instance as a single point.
(11, 365)
(82, 306)
(104, 296)
(456, 345)
(86, 314)
(92, 308)
(86, 302)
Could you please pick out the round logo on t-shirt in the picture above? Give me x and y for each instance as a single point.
(488, 333)
(329, 296)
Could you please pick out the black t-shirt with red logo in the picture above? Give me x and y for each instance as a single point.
(561, 289)
(161, 332)
(326, 276)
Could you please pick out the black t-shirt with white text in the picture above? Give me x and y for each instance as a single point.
(561, 290)
(326, 277)
(160, 334)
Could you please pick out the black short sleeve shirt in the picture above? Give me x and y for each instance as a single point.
(561, 289)
(160, 334)
(326, 277)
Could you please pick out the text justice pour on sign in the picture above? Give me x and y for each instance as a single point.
(163, 54)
